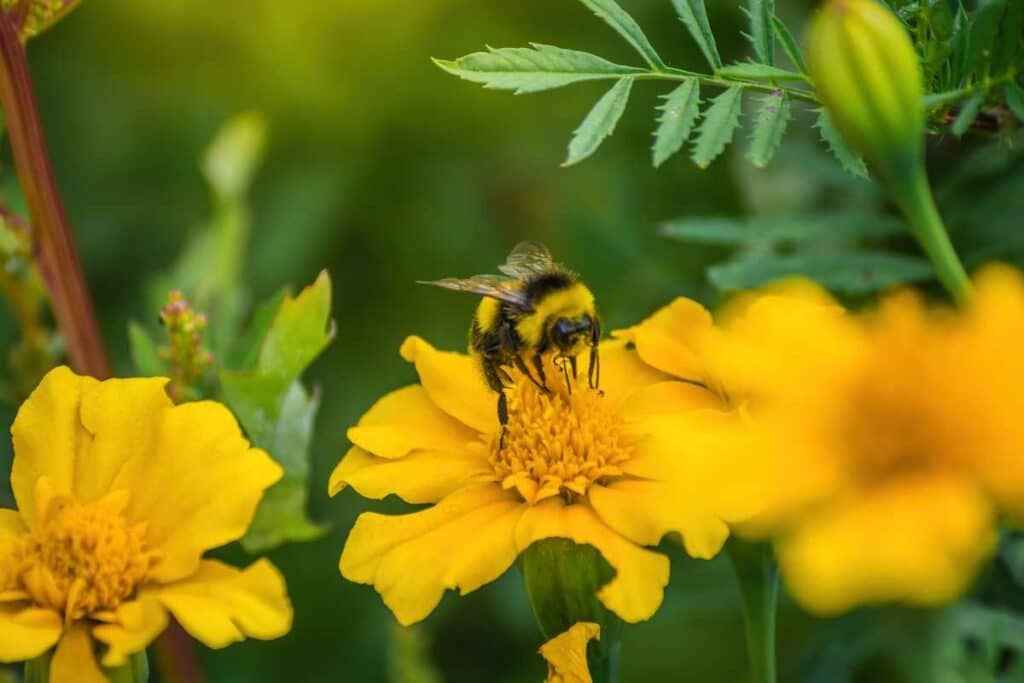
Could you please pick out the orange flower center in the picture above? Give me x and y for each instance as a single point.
(84, 558)
(558, 442)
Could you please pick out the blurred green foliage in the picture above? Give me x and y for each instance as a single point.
(383, 169)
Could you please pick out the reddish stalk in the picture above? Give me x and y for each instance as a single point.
(57, 259)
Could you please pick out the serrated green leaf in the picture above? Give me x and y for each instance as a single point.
(1014, 96)
(246, 351)
(533, 69)
(789, 44)
(718, 126)
(819, 227)
(969, 111)
(853, 272)
(600, 122)
(751, 71)
(851, 162)
(762, 33)
(277, 412)
(612, 14)
(694, 15)
(982, 34)
(769, 127)
(145, 356)
(678, 114)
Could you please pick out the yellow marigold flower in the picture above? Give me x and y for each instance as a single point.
(597, 467)
(119, 493)
(566, 654)
(881, 447)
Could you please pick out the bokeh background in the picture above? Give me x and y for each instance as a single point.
(385, 170)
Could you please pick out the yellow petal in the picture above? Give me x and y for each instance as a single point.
(48, 437)
(420, 477)
(220, 605)
(622, 371)
(455, 384)
(640, 575)
(917, 541)
(74, 660)
(670, 339)
(11, 529)
(198, 488)
(463, 542)
(27, 632)
(667, 398)
(566, 654)
(407, 420)
(644, 511)
(135, 625)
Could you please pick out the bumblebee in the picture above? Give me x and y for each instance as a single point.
(537, 306)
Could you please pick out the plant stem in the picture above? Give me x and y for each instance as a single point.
(758, 579)
(53, 242)
(673, 74)
(914, 197)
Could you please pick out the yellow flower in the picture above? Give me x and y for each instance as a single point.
(598, 468)
(566, 654)
(119, 493)
(881, 447)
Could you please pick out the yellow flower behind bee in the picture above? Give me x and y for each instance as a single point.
(600, 468)
(566, 654)
(881, 447)
(119, 493)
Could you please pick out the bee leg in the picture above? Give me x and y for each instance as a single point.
(521, 365)
(502, 418)
(594, 371)
(496, 378)
(563, 363)
(538, 362)
(572, 364)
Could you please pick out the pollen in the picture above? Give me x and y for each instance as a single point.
(558, 442)
(84, 559)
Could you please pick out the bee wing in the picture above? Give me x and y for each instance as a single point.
(528, 259)
(492, 286)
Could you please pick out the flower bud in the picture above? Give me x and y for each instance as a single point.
(868, 76)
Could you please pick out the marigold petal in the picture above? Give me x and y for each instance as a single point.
(462, 543)
(420, 477)
(136, 624)
(11, 528)
(670, 339)
(622, 371)
(455, 384)
(220, 605)
(566, 654)
(199, 487)
(666, 398)
(27, 631)
(48, 437)
(645, 511)
(407, 420)
(916, 541)
(74, 660)
(641, 575)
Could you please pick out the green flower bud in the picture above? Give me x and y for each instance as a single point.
(868, 76)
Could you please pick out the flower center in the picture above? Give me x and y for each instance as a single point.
(558, 442)
(84, 558)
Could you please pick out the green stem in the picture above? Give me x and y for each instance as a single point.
(914, 197)
(758, 579)
(673, 74)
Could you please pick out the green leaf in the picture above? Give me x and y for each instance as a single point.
(246, 351)
(789, 44)
(144, 352)
(718, 127)
(769, 127)
(533, 69)
(233, 157)
(851, 162)
(1011, 35)
(43, 14)
(694, 15)
(616, 17)
(751, 71)
(1014, 95)
(969, 111)
(600, 122)
(678, 115)
(852, 272)
(983, 32)
(762, 33)
(278, 413)
(797, 229)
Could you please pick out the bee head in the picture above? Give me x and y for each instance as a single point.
(571, 335)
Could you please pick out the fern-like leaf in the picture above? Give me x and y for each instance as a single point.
(619, 19)
(718, 127)
(762, 33)
(678, 115)
(694, 14)
(772, 117)
(851, 162)
(600, 122)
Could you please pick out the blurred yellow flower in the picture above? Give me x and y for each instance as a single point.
(119, 493)
(598, 468)
(881, 447)
(566, 654)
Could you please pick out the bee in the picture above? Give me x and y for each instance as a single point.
(537, 306)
